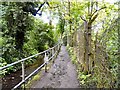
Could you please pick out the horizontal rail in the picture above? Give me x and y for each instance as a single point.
(54, 49)
(32, 73)
(26, 58)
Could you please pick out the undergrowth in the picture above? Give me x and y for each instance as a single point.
(98, 79)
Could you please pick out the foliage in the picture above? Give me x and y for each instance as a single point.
(22, 35)
(104, 47)
(89, 28)
(39, 39)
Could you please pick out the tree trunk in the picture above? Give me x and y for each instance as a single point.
(69, 21)
(87, 44)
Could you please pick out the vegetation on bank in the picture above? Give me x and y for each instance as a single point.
(90, 29)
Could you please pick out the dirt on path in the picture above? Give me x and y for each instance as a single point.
(62, 73)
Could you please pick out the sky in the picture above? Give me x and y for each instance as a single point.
(46, 17)
(110, 1)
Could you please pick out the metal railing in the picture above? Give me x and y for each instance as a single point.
(51, 51)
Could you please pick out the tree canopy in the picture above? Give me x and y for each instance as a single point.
(89, 28)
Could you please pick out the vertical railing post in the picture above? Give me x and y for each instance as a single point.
(50, 52)
(58, 47)
(56, 50)
(53, 54)
(23, 73)
(45, 60)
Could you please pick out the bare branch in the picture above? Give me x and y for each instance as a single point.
(93, 18)
(83, 18)
(50, 6)
(98, 10)
(92, 3)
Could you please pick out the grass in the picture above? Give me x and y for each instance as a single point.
(36, 77)
(33, 80)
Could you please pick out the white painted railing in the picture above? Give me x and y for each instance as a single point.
(51, 51)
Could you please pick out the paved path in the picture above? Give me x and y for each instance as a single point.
(62, 73)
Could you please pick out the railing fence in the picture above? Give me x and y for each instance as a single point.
(48, 55)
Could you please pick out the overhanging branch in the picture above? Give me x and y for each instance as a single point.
(83, 19)
(93, 19)
(97, 11)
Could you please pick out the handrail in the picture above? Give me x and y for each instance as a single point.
(56, 47)
(26, 58)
